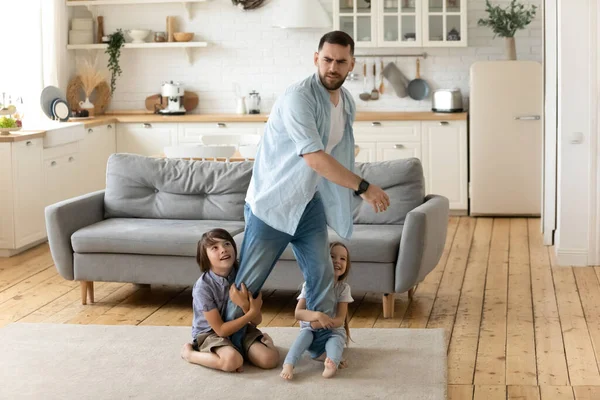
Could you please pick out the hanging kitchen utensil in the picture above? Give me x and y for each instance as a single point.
(365, 95)
(381, 78)
(418, 89)
(396, 78)
(374, 92)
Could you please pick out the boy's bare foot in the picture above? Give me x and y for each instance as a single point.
(287, 372)
(186, 351)
(343, 364)
(330, 368)
(267, 341)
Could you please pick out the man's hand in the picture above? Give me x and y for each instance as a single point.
(377, 198)
(240, 297)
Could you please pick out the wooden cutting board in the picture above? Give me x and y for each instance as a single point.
(190, 101)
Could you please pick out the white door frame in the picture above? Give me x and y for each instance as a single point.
(550, 123)
(594, 199)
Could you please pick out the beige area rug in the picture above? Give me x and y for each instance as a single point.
(50, 361)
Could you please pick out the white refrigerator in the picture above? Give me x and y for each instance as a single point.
(506, 138)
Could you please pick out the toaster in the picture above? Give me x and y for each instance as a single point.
(447, 101)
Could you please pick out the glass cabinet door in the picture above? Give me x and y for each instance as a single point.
(444, 23)
(356, 18)
(399, 23)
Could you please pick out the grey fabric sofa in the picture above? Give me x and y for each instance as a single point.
(144, 227)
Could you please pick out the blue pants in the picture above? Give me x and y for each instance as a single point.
(317, 342)
(263, 245)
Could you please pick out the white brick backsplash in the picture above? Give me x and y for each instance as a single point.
(245, 48)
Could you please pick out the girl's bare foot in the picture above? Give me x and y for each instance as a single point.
(343, 364)
(287, 372)
(186, 351)
(240, 369)
(330, 368)
(321, 357)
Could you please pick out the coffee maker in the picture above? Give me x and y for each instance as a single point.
(174, 93)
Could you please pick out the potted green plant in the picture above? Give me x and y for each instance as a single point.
(505, 22)
(116, 41)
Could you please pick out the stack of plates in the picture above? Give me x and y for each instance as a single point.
(54, 104)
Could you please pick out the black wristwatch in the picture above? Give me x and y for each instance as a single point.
(362, 187)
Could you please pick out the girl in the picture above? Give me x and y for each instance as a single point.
(319, 333)
(211, 347)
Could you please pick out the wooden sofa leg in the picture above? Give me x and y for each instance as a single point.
(411, 293)
(90, 292)
(87, 292)
(141, 286)
(84, 287)
(388, 305)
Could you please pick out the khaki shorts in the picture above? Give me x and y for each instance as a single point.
(207, 342)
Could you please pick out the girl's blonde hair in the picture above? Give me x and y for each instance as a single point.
(208, 239)
(343, 278)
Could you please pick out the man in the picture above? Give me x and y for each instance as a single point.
(303, 181)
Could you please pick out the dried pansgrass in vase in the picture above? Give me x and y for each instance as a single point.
(89, 74)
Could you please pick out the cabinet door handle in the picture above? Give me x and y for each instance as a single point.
(375, 123)
(53, 164)
(147, 126)
(221, 125)
(28, 143)
(109, 126)
(444, 123)
(71, 159)
(528, 118)
(398, 146)
(90, 130)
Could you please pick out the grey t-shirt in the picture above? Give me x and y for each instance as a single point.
(209, 292)
(342, 295)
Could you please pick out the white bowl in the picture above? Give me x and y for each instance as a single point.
(138, 35)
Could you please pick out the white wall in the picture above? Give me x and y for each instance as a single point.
(245, 48)
(577, 111)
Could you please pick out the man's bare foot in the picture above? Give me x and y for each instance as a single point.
(287, 372)
(186, 351)
(267, 341)
(330, 368)
(343, 364)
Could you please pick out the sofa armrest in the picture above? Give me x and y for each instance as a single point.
(422, 242)
(66, 217)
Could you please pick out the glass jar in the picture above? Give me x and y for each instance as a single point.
(160, 37)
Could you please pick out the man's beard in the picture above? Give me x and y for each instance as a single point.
(335, 85)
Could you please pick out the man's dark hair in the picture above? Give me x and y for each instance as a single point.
(337, 37)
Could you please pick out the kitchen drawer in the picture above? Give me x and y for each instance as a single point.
(59, 151)
(193, 131)
(146, 139)
(388, 130)
(397, 150)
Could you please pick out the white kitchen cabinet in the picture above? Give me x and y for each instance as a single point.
(445, 160)
(28, 202)
(147, 139)
(7, 217)
(398, 150)
(402, 23)
(97, 146)
(192, 132)
(409, 131)
(63, 173)
(367, 151)
(444, 23)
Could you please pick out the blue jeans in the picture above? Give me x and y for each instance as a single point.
(317, 342)
(262, 246)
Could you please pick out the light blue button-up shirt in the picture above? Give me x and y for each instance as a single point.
(282, 183)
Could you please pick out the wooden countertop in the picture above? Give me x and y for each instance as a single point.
(141, 117)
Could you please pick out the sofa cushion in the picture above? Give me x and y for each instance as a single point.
(147, 236)
(146, 187)
(404, 183)
(369, 243)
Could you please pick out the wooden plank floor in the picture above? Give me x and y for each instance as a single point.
(518, 327)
